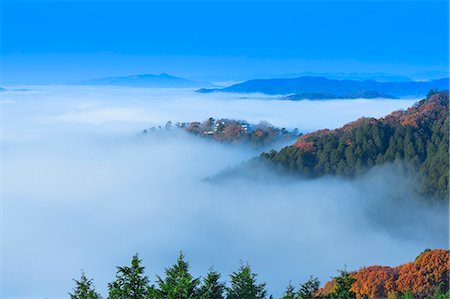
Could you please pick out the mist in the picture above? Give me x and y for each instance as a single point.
(83, 189)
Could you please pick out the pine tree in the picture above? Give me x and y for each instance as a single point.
(84, 289)
(179, 283)
(289, 293)
(308, 289)
(245, 286)
(342, 286)
(440, 295)
(432, 91)
(130, 283)
(407, 295)
(212, 287)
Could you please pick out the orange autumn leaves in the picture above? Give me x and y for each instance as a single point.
(427, 273)
(422, 278)
(374, 282)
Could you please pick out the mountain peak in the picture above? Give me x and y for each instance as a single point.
(162, 80)
(166, 75)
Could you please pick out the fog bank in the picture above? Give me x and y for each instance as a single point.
(83, 190)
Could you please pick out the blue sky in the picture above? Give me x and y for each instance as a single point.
(66, 41)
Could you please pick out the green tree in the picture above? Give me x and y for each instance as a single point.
(130, 283)
(179, 283)
(84, 289)
(407, 295)
(440, 295)
(212, 287)
(416, 139)
(289, 293)
(245, 286)
(432, 91)
(309, 288)
(342, 286)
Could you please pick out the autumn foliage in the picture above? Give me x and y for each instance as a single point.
(374, 281)
(423, 278)
(416, 138)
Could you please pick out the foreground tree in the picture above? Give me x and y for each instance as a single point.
(84, 289)
(440, 295)
(407, 295)
(342, 287)
(179, 283)
(212, 287)
(289, 293)
(308, 289)
(130, 283)
(244, 285)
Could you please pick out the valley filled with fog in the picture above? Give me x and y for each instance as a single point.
(84, 189)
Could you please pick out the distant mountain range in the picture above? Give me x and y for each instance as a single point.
(328, 96)
(380, 77)
(149, 80)
(336, 88)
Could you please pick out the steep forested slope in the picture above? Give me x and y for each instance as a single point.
(416, 138)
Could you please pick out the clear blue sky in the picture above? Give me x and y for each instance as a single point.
(67, 40)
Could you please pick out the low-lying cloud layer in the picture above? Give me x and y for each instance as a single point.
(83, 190)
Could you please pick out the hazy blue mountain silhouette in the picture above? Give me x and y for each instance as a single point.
(149, 80)
(322, 85)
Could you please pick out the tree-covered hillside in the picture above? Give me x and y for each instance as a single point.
(416, 138)
(329, 96)
(232, 131)
(426, 277)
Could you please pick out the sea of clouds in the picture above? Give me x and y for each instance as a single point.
(83, 189)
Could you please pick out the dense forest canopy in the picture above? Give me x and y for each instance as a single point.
(425, 277)
(417, 139)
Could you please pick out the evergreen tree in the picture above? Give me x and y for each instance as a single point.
(342, 286)
(416, 139)
(130, 283)
(289, 293)
(440, 295)
(84, 289)
(179, 283)
(245, 286)
(212, 287)
(432, 92)
(407, 295)
(308, 289)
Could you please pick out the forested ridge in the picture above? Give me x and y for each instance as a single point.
(416, 138)
(329, 96)
(426, 277)
(232, 131)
